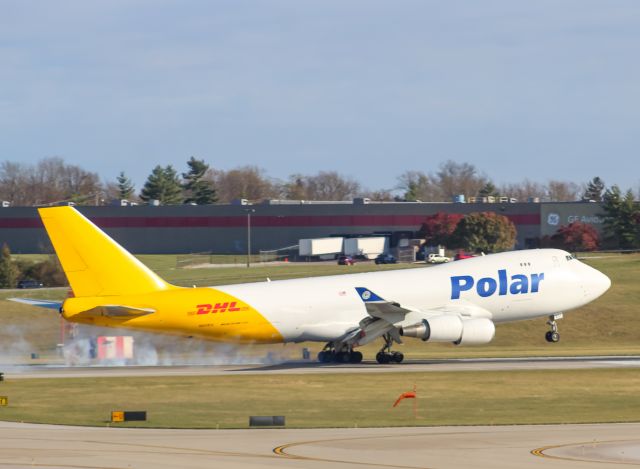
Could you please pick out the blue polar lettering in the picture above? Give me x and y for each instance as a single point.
(459, 284)
(487, 286)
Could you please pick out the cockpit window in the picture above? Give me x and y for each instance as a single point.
(570, 257)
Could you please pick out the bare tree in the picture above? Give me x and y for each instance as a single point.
(459, 178)
(326, 185)
(13, 183)
(49, 181)
(562, 191)
(248, 182)
(522, 191)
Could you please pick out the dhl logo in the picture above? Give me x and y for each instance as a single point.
(218, 308)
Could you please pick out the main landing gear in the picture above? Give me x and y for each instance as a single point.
(330, 355)
(385, 355)
(553, 335)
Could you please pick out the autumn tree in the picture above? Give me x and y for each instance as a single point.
(576, 236)
(438, 229)
(162, 185)
(485, 232)
(620, 217)
(197, 187)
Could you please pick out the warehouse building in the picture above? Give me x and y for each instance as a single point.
(276, 224)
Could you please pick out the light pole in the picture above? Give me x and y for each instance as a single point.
(249, 212)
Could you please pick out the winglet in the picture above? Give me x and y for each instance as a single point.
(368, 296)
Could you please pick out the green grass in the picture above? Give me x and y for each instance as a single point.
(334, 400)
(608, 326)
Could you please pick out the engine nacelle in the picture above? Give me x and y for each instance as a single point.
(443, 328)
(451, 328)
(477, 331)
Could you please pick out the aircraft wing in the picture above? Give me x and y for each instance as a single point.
(39, 303)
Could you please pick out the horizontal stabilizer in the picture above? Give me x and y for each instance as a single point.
(115, 311)
(39, 303)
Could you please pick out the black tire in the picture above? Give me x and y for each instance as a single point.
(342, 357)
(555, 337)
(397, 357)
(326, 356)
(382, 358)
(547, 336)
(355, 357)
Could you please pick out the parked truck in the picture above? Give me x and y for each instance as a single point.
(320, 247)
(369, 248)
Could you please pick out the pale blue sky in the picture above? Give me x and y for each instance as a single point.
(537, 89)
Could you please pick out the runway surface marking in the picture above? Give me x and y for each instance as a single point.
(281, 451)
(147, 449)
(543, 452)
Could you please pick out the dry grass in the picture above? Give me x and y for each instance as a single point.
(334, 400)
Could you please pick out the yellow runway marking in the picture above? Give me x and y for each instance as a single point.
(281, 451)
(540, 452)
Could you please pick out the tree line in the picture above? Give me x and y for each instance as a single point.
(52, 181)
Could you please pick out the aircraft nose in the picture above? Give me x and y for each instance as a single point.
(597, 283)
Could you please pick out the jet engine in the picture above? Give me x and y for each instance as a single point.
(452, 328)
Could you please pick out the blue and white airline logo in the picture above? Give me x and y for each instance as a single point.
(517, 284)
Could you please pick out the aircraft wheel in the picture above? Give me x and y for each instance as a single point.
(555, 337)
(355, 357)
(397, 357)
(382, 358)
(547, 336)
(322, 356)
(342, 357)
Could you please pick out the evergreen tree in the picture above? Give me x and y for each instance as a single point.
(621, 217)
(125, 186)
(198, 189)
(8, 270)
(488, 190)
(163, 185)
(594, 190)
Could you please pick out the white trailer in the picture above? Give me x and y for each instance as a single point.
(320, 246)
(367, 247)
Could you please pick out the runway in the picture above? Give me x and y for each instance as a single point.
(553, 446)
(307, 367)
(526, 446)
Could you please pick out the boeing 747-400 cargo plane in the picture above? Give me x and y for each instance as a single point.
(458, 302)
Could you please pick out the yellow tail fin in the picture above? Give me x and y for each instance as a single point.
(94, 263)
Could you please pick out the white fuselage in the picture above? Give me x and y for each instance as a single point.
(509, 286)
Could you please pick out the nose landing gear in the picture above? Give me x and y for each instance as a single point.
(553, 335)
